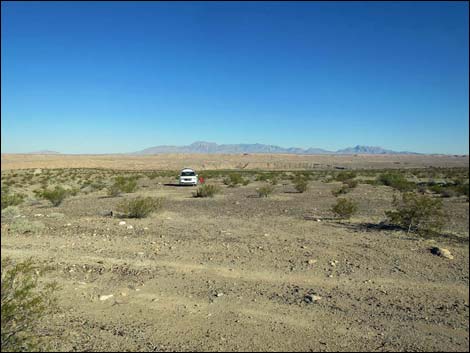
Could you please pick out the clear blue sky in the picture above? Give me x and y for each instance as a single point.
(101, 77)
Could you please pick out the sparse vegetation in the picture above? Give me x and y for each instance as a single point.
(139, 207)
(235, 179)
(265, 190)
(10, 199)
(301, 185)
(23, 304)
(126, 184)
(350, 183)
(56, 196)
(114, 190)
(395, 180)
(344, 208)
(206, 190)
(343, 176)
(417, 213)
(9, 213)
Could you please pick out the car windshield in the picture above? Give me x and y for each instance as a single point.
(188, 174)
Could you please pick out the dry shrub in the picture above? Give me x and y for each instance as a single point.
(140, 207)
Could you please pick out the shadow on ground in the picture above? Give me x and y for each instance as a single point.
(382, 226)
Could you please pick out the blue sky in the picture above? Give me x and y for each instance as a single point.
(106, 77)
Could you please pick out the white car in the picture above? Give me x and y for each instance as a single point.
(188, 177)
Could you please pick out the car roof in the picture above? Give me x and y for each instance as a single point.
(187, 170)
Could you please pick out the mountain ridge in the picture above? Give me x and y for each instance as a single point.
(214, 148)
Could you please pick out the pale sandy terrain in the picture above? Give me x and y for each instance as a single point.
(237, 272)
(219, 161)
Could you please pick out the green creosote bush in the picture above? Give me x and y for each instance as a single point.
(233, 180)
(24, 303)
(396, 181)
(265, 190)
(127, 185)
(350, 183)
(344, 208)
(344, 189)
(206, 190)
(139, 207)
(301, 185)
(343, 176)
(417, 213)
(10, 199)
(56, 196)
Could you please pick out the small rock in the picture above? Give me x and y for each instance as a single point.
(442, 252)
(38, 215)
(106, 213)
(106, 297)
(219, 294)
(311, 298)
(122, 223)
(146, 228)
(130, 227)
(312, 261)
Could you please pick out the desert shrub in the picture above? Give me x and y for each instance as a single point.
(344, 208)
(23, 226)
(9, 213)
(73, 191)
(265, 190)
(350, 183)
(462, 189)
(344, 189)
(206, 190)
(114, 190)
(124, 184)
(301, 185)
(10, 199)
(261, 177)
(444, 191)
(343, 176)
(450, 190)
(139, 207)
(417, 213)
(396, 181)
(233, 180)
(97, 185)
(274, 181)
(55, 196)
(23, 304)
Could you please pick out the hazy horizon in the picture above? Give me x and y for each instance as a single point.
(119, 77)
(48, 151)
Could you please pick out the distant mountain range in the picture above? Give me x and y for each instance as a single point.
(44, 152)
(213, 148)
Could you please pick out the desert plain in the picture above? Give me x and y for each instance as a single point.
(239, 272)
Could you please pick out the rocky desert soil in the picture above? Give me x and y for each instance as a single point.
(230, 161)
(241, 273)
